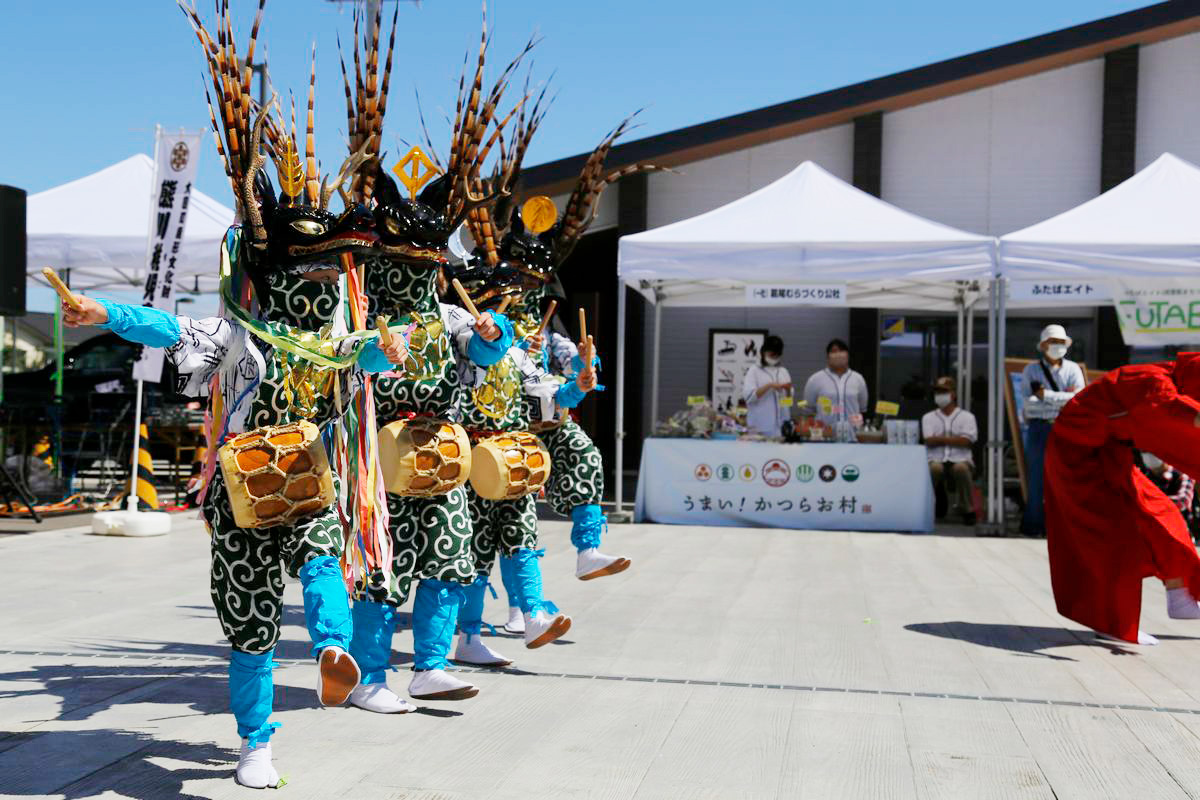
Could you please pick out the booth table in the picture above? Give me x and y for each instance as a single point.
(851, 487)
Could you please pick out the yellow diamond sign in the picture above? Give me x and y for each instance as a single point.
(415, 170)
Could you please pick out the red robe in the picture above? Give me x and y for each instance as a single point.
(1107, 526)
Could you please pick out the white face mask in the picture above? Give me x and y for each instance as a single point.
(771, 360)
(942, 399)
(1056, 351)
(1151, 461)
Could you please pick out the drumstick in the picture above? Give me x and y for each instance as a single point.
(385, 335)
(466, 300)
(546, 319)
(504, 304)
(61, 288)
(582, 326)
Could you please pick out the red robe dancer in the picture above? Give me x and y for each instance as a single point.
(1107, 526)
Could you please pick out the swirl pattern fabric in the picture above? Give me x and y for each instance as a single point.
(247, 568)
(577, 470)
(431, 536)
(502, 527)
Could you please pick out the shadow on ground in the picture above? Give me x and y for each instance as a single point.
(1026, 639)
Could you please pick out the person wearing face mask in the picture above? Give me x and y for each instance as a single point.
(836, 393)
(765, 388)
(1049, 383)
(949, 434)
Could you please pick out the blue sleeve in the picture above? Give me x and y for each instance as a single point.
(141, 324)
(484, 353)
(577, 362)
(570, 395)
(372, 358)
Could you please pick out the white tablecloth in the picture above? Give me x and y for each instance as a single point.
(857, 487)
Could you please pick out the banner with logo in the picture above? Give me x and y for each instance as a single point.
(730, 354)
(856, 487)
(175, 159)
(1158, 311)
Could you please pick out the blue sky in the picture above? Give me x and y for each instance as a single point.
(85, 82)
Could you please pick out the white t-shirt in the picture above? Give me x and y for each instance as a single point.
(765, 414)
(845, 395)
(957, 423)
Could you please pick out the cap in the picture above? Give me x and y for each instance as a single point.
(1055, 332)
(944, 383)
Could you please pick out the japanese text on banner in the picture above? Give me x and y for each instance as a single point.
(797, 294)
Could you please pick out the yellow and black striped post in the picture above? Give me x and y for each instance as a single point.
(147, 495)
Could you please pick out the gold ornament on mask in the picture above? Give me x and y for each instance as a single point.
(501, 388)
(539, 214)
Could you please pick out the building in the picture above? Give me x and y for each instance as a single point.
(988, 142)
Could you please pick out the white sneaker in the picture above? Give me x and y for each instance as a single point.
(472, 650)
(336, 677)
(541, 628)
(591, 563)
(516, 620)
(379, 698)
(437, 684)
(254, 768)
(1181, 604)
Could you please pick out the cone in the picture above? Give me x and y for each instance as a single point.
(146, 493)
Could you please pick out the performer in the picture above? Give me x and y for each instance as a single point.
(430, 527)
(1107, 525)
(274, 376)
(493, 410)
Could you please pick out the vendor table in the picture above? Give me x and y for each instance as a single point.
(854, 487)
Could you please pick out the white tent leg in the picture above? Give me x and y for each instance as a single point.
(970, 359)
(989, 459)
(132, 500)
(960, 355)
(619, 421)
(1001, 377)
(655, 369)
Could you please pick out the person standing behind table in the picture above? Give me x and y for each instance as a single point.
(1048, 384)
(837, 392)
(949, 433)
(764, 388)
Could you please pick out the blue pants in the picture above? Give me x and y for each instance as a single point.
(1037, 433)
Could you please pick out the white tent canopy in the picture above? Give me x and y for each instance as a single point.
(98, 226)
(806, 226)
(1146, 226)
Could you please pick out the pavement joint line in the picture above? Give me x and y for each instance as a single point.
(786, 687)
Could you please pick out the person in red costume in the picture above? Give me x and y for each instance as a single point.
(1107, 526)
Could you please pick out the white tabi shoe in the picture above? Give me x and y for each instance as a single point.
(541, 628)
(379, 698)
(516, 620)
(437, 684)
(1145, 639)
(254, 767)
(472, 650)
(337, 676)
(591, 563)
(1181, 604)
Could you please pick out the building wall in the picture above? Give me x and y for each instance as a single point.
(999, 159)
(1168, 107)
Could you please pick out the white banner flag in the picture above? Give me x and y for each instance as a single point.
(1158, 311)
(175, 159)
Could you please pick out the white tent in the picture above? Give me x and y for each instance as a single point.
(808, 226)
(98, 226)
(1148, 226)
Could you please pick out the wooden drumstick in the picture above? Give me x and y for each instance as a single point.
(582, 326)
(466, 300)
(61, 288)
(504, 304)
(546, 319)
(589, 353)
(385, 335)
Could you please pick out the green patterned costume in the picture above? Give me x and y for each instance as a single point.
(431, 536)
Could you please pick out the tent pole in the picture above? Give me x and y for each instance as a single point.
(970, 338)
(619, 420)
(962, 315)
(991, 405)
(131, 500)
(1001, 377)
(656, 362)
